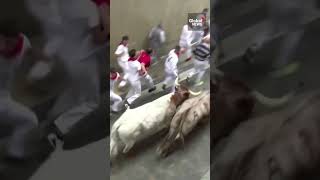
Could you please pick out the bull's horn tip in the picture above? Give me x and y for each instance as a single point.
(195, 93)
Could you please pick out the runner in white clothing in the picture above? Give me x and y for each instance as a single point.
(115, 99)
(186, 38)
(134, 72)
(122, 58)
(70, 27)
(16, 119)
(171, 69)
(201, 56)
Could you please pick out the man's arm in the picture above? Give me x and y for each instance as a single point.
(119, 51)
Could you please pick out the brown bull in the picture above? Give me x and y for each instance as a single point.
(282, 145)
(191, 113)
(233, 102)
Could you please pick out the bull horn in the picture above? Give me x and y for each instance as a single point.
(176, 82)
(194, 93)
(275, 102)
(272, 102)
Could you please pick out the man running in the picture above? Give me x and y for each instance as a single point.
(70, 28)
(134, 72)
(186, 38)
(115, 99)
(145, 61)
(122, 58)
(171, 69)
(16, 119)
(201, 57)
(157, 38)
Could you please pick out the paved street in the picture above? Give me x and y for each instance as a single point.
(190, 162)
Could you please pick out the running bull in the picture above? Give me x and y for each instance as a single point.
(191, 113)
(234, 101)
(141, 122)
(281, 145)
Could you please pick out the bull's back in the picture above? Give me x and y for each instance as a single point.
(148, 115)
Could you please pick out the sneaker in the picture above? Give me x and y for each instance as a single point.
(55, 141)
(127, 104)
(199, 83)
(164, 87)
(152, 89)
(248, 57)
(286, 70)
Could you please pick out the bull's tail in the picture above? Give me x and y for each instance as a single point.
(276, 102)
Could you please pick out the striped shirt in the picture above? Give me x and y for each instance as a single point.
(202, 52)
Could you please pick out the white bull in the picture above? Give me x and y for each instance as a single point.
(145, 121)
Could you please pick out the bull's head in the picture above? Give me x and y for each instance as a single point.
(181, 93)
(232, 104)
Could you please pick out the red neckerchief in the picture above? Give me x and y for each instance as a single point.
(132, 59)
(114, 76)
(101, 2)
(177, 53)
(16, 50)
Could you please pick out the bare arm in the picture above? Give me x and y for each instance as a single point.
(143, 68)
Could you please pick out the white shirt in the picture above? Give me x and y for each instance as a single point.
(123, 50)
(171, 62)
(133, 70)
(186, 37)
(67, 26)
(7, 66)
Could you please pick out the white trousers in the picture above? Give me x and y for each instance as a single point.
(16, 121)
(147, 78)
(115, 100)
(83, 86)
(134, 92)
(169, 79)
(199, 69)
(188, 50)
(124, 66)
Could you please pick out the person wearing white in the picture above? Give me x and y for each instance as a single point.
(186, 38)
(16, 119)
(201, 55)
(115, 99)
(122, 58)
(70, 28)
(133, 77)
(171, 69)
